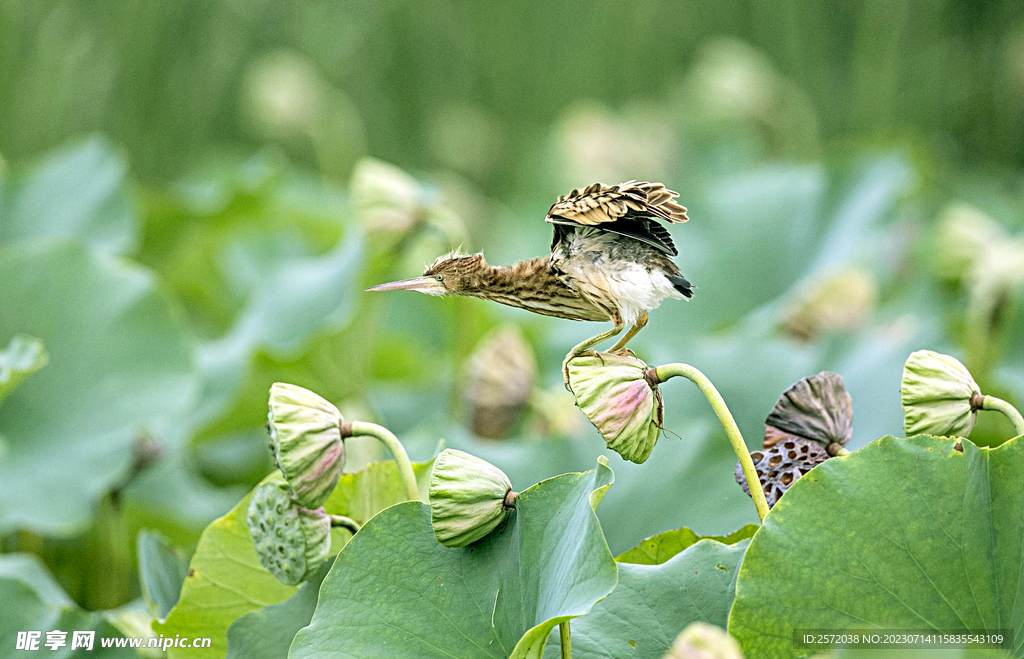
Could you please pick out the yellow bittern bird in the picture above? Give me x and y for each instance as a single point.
(610, 261)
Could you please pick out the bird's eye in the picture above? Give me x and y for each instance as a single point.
(439, 277)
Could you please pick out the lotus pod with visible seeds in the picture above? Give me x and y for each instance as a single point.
(468, 498)
(620, 400)
(781, 465)
(939, 395)
(305, 437)
(291, 541)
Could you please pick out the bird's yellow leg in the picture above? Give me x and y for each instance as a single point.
(620, 345)
(585, 348)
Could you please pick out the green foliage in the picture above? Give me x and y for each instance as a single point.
(119, 366)
(22, 357)
(652, 603)
(80, 190)
(225, 579)
(162, 570)
(34, 601)
(267, 633)
(902, 534)
(660, 548)
(499, 597)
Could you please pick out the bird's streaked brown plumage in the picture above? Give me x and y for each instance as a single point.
(610, 260)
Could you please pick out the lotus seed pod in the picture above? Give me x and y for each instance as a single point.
(939, 395)
(703, 641)
(291, 541)
(305, 437)
(817, 408)
(500, 377)
(468, 498)
(620, 400)
(781, 465)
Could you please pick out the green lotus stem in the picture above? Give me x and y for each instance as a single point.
(412, 491)
(346, 523)
(565, 640)
(732, 431)
(1009, 411)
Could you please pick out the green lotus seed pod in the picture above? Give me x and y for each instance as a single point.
(939, 396)
(622, 403)
(468, 498)
(305, 437)
(291, 541)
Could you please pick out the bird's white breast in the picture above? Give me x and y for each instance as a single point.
(634, 288)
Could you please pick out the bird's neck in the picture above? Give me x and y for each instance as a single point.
(506, 283)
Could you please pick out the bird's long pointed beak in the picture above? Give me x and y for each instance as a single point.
(427, 285)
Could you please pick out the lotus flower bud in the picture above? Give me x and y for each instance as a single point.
(499, 382)
(305, 438)
(385, 197)
(964, 234)
(291, 541)
(782, 464)
(841, 302)
(620, 400)
(939, 395)
(703, 641)
(468, 498)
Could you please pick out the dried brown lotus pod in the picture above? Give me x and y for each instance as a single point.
(817, 408)
(781, 465)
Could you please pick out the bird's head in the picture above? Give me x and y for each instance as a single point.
(451, 274)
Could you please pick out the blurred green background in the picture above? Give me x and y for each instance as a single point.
(193, 196)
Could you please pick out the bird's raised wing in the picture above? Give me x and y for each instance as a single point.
(630, 209)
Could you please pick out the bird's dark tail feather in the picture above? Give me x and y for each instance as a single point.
(681, 284)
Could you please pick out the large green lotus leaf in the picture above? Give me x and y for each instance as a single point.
(267, 633)
(79, 191)
(22, 357)
(119, 364)
(653, 603)
(901, 534)
(396, 592)
(32, 600)
(662, 547)
(225, 579)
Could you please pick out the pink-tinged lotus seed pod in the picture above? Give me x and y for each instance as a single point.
(291, 541)
(305, 437)
(939, 396)
(620, 400)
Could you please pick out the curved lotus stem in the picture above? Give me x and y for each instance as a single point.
(664, 373)
(1009, 411)
(412, 491)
